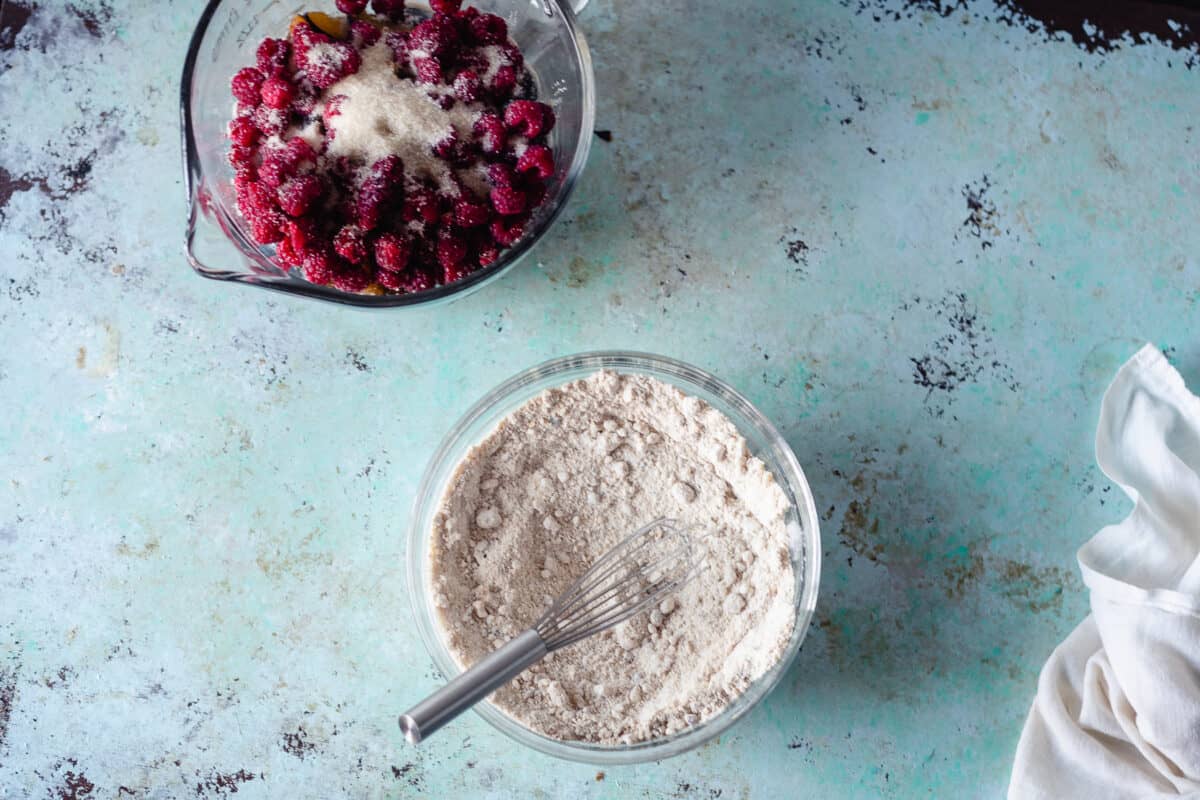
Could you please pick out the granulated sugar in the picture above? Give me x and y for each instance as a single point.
(382, 115)
(559, 482)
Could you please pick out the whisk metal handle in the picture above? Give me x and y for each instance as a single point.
(483, 678)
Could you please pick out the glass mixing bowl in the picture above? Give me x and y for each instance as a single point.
(764, 442)
(218, 240)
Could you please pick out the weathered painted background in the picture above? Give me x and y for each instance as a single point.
(921, 237)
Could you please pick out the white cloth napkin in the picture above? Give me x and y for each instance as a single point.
(1117, 713)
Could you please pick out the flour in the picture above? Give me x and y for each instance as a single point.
(563, 479)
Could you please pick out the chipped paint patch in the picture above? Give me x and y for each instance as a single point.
(8, 695)
(222, 784)
(965, 354)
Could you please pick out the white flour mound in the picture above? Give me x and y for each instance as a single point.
(563, 479)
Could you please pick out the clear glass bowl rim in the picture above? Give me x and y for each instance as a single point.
(193, 181)
(779, 458)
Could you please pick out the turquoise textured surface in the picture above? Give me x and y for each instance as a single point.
(919, 237)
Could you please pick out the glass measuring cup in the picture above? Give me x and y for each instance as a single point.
(219, 245)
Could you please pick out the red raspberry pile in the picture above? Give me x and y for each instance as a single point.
(377, 226)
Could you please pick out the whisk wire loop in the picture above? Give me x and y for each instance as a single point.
(652, 561)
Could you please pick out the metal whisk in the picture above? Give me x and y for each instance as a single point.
(653, 562)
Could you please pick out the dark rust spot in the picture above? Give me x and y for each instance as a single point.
(75, 786)
(297, 743)
(860, 531)
(409, 772)
(93, 20)
(11, 184)
(981, 221)
(217, 784)
(13, 17)
(965, 354)
(962, 573)
(8, 692)
(1037, 588)
(356, 360)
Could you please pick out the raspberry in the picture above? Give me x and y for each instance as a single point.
(504, 80)
(416, 281)
(392, 252)
(455, 272)
(303, 236)
(384, 183)
(272, 57)
(242, 177)
(501, 175)
(437, 37)
(429, 70)
(286, 255)
(305, 36)
(488, 253)
(506, 232)
(273, 170)
(256, 201)
(350, 279)
(265, 231)
(451, 250)
(363, 34)
(271, 121)
(422, 204)
(318, 267)
(455, 151)
(512, 54)
(328, 64)
(471, 213)
(332, 110)
(351, 6)
(393, 281)
(529, 117)
(397, 41)
(242, 132)
(389, 171)
(351, 244)
(472, 59)
(445, 6)
(392, 9)
(489, 29)
(305, 101)
(246, 85)
(258, 208)
(490, 131)
(240, 156)
(368, 207)
(467, 86)
(299, 151)
(281, 163)
(537, 159)
(277, 92)
(298, 195)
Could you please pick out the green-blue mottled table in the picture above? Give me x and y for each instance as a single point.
(919, 236)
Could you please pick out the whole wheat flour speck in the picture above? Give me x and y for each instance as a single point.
(563, 479)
